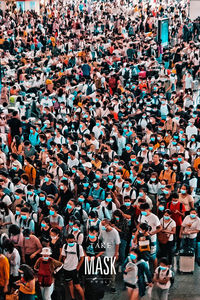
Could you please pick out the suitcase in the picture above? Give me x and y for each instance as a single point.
(195, 85)
(187, 261)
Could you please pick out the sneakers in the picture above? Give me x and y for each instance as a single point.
(113, 290)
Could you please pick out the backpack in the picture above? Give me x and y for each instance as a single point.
(77, 250)
(44, 274)
(112, 82)
(133, 274)
(89, 90)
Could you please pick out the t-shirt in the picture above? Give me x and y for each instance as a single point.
(15, 125)
(71, 260)
(163, 274)
(191, 224)
(168, 226)
(176, 216)
(153, 221)
(93, 248)
(110, 239)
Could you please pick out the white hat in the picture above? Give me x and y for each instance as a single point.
(46, 251)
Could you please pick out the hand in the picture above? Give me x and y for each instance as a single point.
(32, 256)
(128, 269)
(150, 284)
(117, 256)
(5, 290)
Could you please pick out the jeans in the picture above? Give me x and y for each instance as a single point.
(159, 294)
(122, 251)
(46, 292)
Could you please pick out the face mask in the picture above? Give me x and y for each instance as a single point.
(80, 199)
(71, 244)
(51, 164)
(127, 204)
(192, 139)
(188, 172)
(95, 185)
(133, 256)
(118, 176)
(46, 179)
(136, 141)
(166, 218)
(162, 186)
(163, 268)
(117, 218)
(75, 229)
(62, 187)
(116, 161)
(174, 143)
(69, 206)
(126, 185)
(150, 148)
(14, 168)
(128, 148)
(143, 213)
(42, 198)
(165, 168)
(103, 228)
(24, 217)
(174, 202)
(17, 212)
(85, 184)
(141, 194)
(91, 236)
(133, 159)
(179, 159)
(110, 176)
(161, 208)
(27, 238)
(31, 130)
(108, 199)
(110, 186)
(139, 181)
(166, 192)
(97, 176)
(143, 148)
(45, 257)
(51, 212)
(17, 197)
(193, 216)
(48, 203)
(153, 179)
(43, 225)
(183, 191)
(174, 168)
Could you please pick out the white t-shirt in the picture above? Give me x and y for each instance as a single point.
(163, 274)
(168, 226)
(191, 224)
(110, 239)
(71, 261)
(153, 221)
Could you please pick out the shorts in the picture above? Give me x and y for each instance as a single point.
(132, 286)
(71, 276)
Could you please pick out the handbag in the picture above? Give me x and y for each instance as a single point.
(163, 237)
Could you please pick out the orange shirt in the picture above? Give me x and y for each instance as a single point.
(196, 163)
(31, 172)
(4, 270)
(23, 288)
(169, 176)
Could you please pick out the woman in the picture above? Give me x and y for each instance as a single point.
(13, 257)
(186, 198)
(46, 267)
(17, 147)
(26, 283)
(135, 272)
(6, 218)
(166, 236)
(191, 180)
(55, 243)
(107, 208)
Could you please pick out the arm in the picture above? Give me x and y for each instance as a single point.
(80, 263)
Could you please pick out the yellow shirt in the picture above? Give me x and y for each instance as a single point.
(23, 288)
(4, 270)
(196, 163)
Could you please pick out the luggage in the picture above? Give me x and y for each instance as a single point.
(187, 261)
(195, 85)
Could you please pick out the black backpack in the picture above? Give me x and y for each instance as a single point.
(77, 250)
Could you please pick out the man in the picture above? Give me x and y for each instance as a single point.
(111, 240)
(73, 256)
(48, 186)
(15, 124)
(4, 275)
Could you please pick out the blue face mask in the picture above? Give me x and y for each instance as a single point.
(143, 213)
(14, 168)
(161, 208)
(91, 220)
(166, 217)
(126, 185)
(62, 187)
(45, 257)
(73, 171)
(150, 148)
(108, 199)
(43, 225)
(71, 223)
(95, 185)
(103, 228)
(24, 217)
(118, 176)
(91, 236)
(17, 197)
(133, 159)
(69, 206)
(133, 256)
(71, 244)
(31, 130)
(139, 181)
(51, 212)
(128, 148)
(152, 139)
(97, 176)
(179, 159)
(64, 178)
(162, 186)
(110, 176)
(163, 268)
(153, 179)
(42, 198)
(188, 172)
(183, 191)
(27, 238)
(51, 164)
(127, 203)
(30, 193)
(75, 229)
(193, 216)
(46, 179)
(166, 192)
(85, 184)
(81, 199)
(141, 194)
(48, 203)
(110, 186)
(17, 212)
(117, 218)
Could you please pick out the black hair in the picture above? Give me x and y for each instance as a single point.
(28, 272)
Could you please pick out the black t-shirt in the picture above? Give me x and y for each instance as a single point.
(157, 168)
(55, 248)
(50, 189)
(14, 125)
(131, 212)
(93, 248)
(65, 196)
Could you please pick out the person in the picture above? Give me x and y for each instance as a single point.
(26, 283)
(45, 267)
(31, 247)
(4, 275)
(73, 256)
(161, 280)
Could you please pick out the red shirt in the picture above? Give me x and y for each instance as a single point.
(176, 216)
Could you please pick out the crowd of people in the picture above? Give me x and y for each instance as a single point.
(99, 147)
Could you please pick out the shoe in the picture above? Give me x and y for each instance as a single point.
(113, 290)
